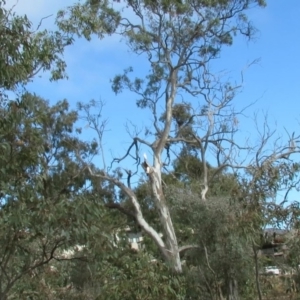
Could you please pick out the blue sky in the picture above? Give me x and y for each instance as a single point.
(274, 82)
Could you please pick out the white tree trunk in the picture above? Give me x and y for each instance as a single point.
(172, 249)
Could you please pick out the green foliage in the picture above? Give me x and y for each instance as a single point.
(188, 169)
(92, 17)
(140, 277)
(24, 51)
(222, 263)
(45, 202)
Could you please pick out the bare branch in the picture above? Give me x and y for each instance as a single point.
(121, 209)
(134, 144)
(188, 247)
(41, 21)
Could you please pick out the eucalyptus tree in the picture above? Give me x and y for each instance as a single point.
(178, 39)
(41, 185)
(44, 202)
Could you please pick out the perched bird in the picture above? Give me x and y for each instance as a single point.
(145, 164)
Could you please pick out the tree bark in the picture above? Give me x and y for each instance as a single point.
(257, 273)
(233, 293)
(172, 249)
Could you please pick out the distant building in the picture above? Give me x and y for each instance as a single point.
(133, 237)
(135, 240)
(273, 242)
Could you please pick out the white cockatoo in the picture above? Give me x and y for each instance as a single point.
(145, 164)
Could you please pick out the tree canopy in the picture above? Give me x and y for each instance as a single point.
(201, 201)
